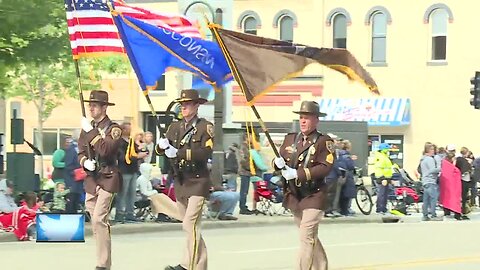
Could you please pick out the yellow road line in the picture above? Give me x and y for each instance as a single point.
(402, 265)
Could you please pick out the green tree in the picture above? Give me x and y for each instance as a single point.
(35, 57)
(46, 86)
(30, 31)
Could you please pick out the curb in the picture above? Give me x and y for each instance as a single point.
(207, 224)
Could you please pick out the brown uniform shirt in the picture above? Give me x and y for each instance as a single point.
(309, 190)
(103, 141)
(191, 177)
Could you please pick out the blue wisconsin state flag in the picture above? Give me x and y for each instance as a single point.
(152, 49)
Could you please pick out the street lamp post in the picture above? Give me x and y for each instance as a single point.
(199, 9)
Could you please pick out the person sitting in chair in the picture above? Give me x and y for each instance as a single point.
(13, 218)
(163, 206)
(226, 199)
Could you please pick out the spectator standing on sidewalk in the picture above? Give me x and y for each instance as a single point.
(348, 191)
(231, 167)
(465, 169)
(75, 186)
(150, 147)
(383, 176)
(476, 177)
(58, 163)
(451, 187)
(245, 174)
(129, 168)
(429, 172)
(331, 180)
(440, 154)
(473, 185)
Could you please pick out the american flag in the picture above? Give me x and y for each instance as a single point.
(93, 32)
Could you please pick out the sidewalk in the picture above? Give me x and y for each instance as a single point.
(243, 221)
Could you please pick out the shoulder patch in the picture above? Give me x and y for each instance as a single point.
(329, 158)
(330, 146)
(116, 133)
(210, 130)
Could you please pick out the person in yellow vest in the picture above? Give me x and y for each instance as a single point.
(383, 176)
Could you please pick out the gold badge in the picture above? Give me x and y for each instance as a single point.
(210, 130)
(329, 159)
(116, 133)
(312, 150)
(289, 149)
(330, 146)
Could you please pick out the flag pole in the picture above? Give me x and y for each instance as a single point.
(80, 92)
(82, 101)
(241, 82)
(154, 113)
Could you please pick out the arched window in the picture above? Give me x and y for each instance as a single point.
(340, 31)
(439, 21)
(249, 25)
(379, 37)
(219, 16)
(286, 28)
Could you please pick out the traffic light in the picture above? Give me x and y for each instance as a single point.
(475, 91)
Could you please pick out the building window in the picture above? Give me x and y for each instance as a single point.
(379, 37)
(250, 25)
(53, 139)
(439, 20)
(219, 16)
(160, 84)
(340, 31)
(286, 28)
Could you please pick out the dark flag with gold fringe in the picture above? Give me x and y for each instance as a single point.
(263, 62)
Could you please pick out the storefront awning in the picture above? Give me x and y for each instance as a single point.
(376, 111)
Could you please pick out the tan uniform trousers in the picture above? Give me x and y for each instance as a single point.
(311, 255)
(163, 204)
(99, 206)
(195, 257)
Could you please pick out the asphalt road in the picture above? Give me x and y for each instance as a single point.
(420, 246)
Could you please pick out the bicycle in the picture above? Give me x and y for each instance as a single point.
(363, 198)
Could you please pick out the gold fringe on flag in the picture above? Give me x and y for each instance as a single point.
(130, 151)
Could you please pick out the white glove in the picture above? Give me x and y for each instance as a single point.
(86, 126)
(289, 173)
(279, 162)
(171, 152)
(89, 164)
(163, 143)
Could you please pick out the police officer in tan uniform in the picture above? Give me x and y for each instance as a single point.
(98, 145)
(306, 158)
(188, 144)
